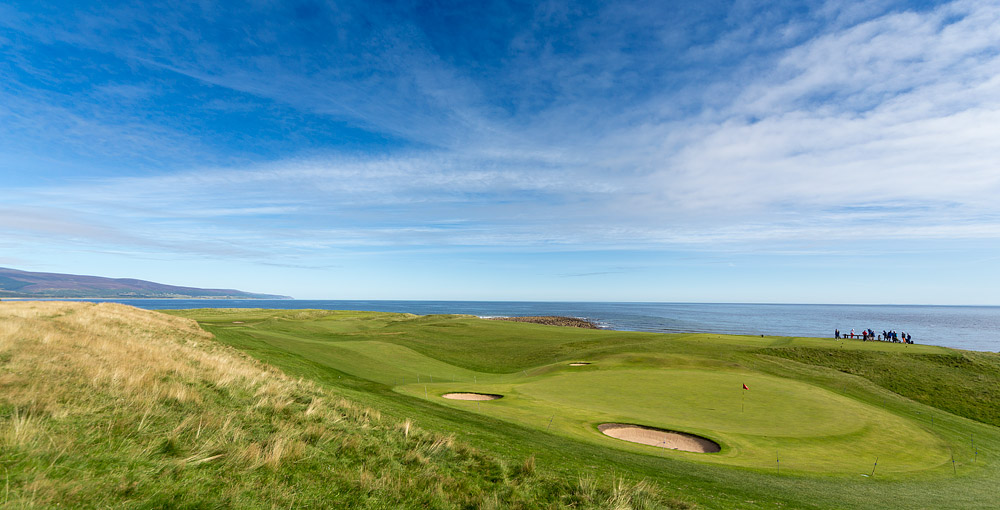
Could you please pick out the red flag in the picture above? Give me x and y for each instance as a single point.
(745, 387)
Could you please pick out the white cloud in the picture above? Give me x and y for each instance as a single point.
(893, 111)
(871, 130)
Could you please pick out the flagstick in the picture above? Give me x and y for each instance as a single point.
(876, 464)
(743, 401)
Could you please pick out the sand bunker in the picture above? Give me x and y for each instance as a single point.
(472, 396)
(579, 364)
(658, 437)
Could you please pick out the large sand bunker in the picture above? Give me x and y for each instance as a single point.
(472, 396)
(658, 437)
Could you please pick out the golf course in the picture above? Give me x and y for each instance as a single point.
(109, 406)
(812, 435)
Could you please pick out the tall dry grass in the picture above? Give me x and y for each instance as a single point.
(76, 377)
(57, 355)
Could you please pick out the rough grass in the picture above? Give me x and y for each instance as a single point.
(962, 382)
(109, 406)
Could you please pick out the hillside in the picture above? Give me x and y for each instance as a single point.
(108, 406)
(26, 284)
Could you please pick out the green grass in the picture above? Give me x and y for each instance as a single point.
(106, 406)
(963, 383)
(815, 430)
(826, 425)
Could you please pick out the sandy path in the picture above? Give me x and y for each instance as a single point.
(657, 437)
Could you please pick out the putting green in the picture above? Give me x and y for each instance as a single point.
(708, 400)
(805, 427)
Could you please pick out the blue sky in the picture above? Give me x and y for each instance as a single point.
(820, 152)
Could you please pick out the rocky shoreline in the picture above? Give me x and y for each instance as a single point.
(552, 320)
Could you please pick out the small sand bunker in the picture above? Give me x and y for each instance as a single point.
(472, 396)
(659, 437)
(237, 322)
(579, 364)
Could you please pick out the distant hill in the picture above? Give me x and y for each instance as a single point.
(26, 284)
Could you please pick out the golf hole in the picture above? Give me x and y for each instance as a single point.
(659, 437)
(472, 396)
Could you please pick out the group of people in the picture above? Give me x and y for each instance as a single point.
(869, 334)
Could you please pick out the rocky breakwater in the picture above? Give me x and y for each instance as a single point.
(552, 320)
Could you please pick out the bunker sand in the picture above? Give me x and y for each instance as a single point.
(472, 396)
(661, 438)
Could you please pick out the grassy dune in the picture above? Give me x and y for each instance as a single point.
(106, 406)
(826, 409)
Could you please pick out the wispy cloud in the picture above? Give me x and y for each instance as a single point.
(584, 275)
(610, 129)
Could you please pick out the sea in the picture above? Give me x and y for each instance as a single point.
(975, 328)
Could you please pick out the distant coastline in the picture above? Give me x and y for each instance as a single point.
(160, 298)
(974, 328)
(15, 283)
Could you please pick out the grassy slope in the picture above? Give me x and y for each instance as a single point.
(105, 406)
(960, 382)
(299, 342)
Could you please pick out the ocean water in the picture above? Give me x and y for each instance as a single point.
(974, 328)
